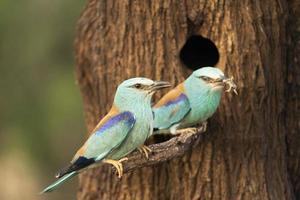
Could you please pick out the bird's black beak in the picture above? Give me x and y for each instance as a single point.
(220, 80)
(158, 85)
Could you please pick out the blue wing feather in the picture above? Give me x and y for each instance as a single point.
(171, 112)
(109, 136)
(104, 140)
(125, 117)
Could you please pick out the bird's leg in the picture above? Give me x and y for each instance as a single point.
(203, 127)
(145, 150)
(117, 164)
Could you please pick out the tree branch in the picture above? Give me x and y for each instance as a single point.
(164, 151)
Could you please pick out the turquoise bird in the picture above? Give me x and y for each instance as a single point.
(124, 129)
(191, 102)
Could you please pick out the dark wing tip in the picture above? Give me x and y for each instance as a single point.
(63, 171)
(80, 163)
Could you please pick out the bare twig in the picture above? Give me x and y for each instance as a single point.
(164, 151)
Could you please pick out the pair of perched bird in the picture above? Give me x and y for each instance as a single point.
(132, 120)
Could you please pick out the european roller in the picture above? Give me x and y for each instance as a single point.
(191, 102)
(124, 129)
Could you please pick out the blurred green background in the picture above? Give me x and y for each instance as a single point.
(41, 118)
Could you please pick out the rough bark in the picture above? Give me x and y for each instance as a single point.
(244, 153)
(292, 92)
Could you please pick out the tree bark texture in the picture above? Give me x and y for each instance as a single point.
(292, 91)
(248, 150)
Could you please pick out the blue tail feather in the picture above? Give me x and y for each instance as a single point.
(54, 185)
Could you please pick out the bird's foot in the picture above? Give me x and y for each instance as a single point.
(173, 129)
(145, 150)
(191, 130)
(203, 127)
(117, 164)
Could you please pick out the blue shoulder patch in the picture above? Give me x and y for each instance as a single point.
(171, 113)
(124, 116)
(177, 100)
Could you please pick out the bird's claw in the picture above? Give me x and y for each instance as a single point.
(231, 85)
(191, 130)
(203, 127)
(145, 150)
(118, 165)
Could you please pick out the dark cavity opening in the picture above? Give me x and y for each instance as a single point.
(199, 52)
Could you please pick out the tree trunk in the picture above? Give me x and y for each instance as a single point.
(244, 153)
(292, 92)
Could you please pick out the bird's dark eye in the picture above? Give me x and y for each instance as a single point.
(138, 86)
(205, 78)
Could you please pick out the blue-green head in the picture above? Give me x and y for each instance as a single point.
(136, 91)
(208, 79)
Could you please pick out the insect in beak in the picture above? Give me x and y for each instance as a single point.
(231, 85)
